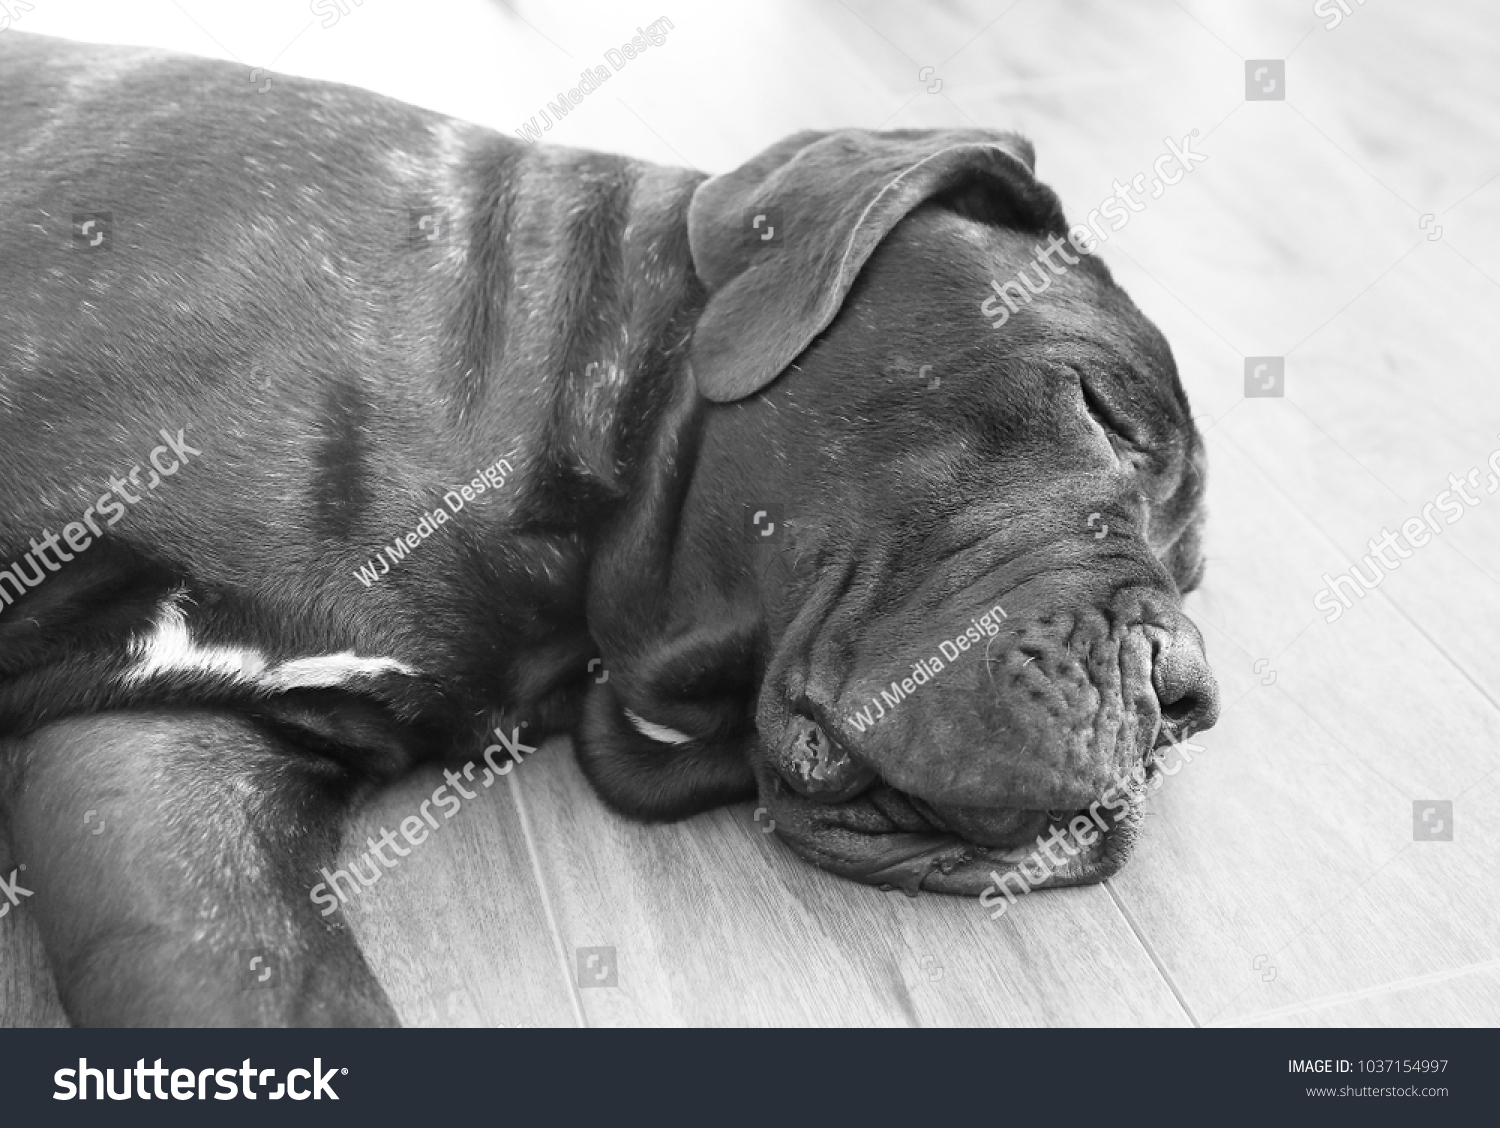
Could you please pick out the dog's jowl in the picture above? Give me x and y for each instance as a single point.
(910, 580)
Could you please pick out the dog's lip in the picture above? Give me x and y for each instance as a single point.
(999, 828)
(894, 853)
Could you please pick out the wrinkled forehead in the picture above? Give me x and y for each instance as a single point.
(932, 293)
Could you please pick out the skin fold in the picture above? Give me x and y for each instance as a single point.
(909, 511)
(756, 482)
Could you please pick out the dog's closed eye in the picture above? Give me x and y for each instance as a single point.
(1115, 431)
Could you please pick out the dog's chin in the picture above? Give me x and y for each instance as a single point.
(894, 840)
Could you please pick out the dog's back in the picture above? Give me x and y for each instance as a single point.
(345, 304)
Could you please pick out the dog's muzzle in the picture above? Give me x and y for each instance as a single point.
(973, 779)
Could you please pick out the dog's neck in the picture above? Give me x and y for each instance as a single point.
(592, 343)
(575, 320)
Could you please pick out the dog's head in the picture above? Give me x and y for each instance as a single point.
(916, 565)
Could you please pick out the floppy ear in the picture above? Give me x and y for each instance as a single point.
(779, 241)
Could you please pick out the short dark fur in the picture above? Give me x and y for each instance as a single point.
(600, 323)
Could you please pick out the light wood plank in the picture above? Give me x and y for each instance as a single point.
(28, 996)
(1273, 845)
(716, 923)
(1469, 998)
(458, 932)
(1294, 840)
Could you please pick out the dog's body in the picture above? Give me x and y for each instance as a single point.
(548, 380)
(337, 376)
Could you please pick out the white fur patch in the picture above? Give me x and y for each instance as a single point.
(170, 649)
(328, 670)
(657, 732)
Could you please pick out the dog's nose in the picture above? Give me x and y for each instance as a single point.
(815, 765)
(1186, 690)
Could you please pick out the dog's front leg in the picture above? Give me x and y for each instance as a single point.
(167, 857)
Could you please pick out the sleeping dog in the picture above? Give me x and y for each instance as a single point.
(338, 434)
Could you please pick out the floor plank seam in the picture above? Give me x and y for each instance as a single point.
(1328, 540)
(541, 885)
(1392, 988)
(1150, 951)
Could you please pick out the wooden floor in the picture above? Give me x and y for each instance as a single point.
(1279, 881)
